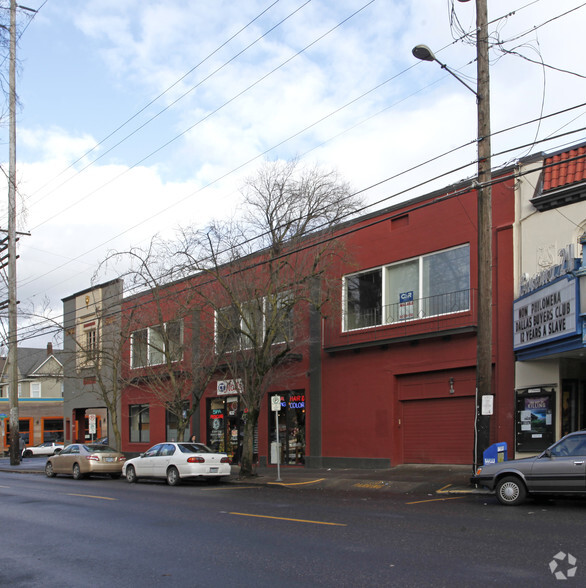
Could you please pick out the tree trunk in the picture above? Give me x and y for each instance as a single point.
(247, 459)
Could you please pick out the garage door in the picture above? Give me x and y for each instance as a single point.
(439, 430)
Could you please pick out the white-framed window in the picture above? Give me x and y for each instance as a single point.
(35, 389)
(265, 319)
(429, 285)
(91, 343)
(154, 345)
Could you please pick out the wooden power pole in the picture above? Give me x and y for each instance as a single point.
(12, 302)
(484, 334)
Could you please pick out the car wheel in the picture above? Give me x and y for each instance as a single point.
(49, 470)
(511, 491)
(131, 474)
(77, 475)
(27, 453)
(173, 478)
(56, 451)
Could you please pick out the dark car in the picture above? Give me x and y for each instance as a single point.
(559, 470)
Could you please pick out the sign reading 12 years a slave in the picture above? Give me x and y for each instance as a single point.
(545, 314)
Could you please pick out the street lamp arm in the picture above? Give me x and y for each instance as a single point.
(424, 53)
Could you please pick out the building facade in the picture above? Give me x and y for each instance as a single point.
(91, 324)
(549, 340)
(386, 374)
(40, 396)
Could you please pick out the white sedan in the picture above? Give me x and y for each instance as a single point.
(177, 461)
(47, 448)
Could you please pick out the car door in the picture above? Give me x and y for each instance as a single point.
(163, 459)
(145, 464)
(63, 463)
(562, 468)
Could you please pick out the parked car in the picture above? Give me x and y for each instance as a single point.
(46, 448)
(177, 461)
(559, 470)
(80, 460)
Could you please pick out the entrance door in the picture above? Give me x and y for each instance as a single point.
(573, 406)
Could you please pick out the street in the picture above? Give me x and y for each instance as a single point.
(62, 532)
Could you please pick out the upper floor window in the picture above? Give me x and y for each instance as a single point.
(157, 345)
(91, 344)
(429, 285)
(35, 389)
(257, 321)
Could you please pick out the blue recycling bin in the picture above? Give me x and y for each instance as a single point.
(496, 453)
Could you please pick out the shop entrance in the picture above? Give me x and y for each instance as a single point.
(225, 430)
(573, 406)
(291, 428)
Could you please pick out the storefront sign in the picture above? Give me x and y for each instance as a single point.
(566, 265)
(546, 314)
(224, 387)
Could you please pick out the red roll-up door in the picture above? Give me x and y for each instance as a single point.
(438, 430)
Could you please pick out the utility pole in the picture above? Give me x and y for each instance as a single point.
(484, 334)
(12, 302)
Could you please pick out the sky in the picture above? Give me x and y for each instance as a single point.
(139, 117)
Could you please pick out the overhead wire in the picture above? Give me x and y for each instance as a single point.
(447, 190)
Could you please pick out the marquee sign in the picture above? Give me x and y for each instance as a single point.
(546, 314)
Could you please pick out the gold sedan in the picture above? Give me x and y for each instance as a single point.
(79, 460)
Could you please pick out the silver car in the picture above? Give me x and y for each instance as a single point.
(560, 469)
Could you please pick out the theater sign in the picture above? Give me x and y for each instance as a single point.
(546, 314)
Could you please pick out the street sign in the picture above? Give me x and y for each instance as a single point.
(275, 403)
(92, 423)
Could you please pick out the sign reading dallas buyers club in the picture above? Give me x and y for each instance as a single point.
(546, 314)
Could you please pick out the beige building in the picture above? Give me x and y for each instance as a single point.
(548, 313)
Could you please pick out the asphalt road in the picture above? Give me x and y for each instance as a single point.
(101, 532)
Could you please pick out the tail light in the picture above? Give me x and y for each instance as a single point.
(195, 459)
(92, 458)
(225, 460)
(122, 458)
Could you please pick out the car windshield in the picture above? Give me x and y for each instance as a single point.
(100, 449)
(194, 448)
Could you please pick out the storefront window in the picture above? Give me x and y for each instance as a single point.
(172, 425)
(291, 419)
(139, 423)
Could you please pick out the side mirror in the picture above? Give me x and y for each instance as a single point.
(547, 453)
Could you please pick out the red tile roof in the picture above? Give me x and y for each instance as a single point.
(566, 172)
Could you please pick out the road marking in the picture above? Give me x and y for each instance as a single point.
(296, 483)
(445, 490)
(230, 487)
(435, 500)
(91, 496)
(243, 514)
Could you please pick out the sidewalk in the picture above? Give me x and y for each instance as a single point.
(403, 479)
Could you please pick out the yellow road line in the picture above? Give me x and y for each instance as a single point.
(243, 514)
(436, 500)
(296, 483)
(91, 496)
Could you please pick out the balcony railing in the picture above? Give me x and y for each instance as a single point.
(454, 310)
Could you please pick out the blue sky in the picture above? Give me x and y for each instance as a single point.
(334, 83)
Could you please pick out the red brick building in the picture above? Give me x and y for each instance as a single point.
(388, 376)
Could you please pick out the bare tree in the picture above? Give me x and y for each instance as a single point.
(171, 356)
(263, 272)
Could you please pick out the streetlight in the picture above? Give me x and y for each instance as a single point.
(484, 333)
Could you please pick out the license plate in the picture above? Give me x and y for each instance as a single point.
(110, 459)
(213, 470)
